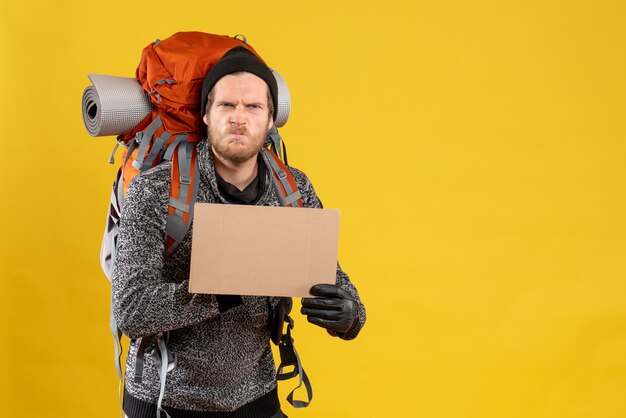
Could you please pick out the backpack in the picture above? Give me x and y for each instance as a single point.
(171, 73)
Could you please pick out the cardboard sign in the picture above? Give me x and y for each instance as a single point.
(262, 251)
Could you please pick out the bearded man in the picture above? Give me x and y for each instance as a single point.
(224, 365)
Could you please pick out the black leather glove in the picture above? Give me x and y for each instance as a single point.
(334, 309)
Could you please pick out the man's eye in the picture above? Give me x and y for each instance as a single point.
(227, 105)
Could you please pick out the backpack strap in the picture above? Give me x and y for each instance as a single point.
(183, 193)
(289, 358)
(117, 340)
(156, 149)
(117, 336)
(277, 144)
(288, 193)
(165, 361)
(169, 152)
(142, 141)
(143, 138)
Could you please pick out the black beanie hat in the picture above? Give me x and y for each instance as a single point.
(235, 60)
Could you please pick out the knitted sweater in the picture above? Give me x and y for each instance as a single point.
(224, 361)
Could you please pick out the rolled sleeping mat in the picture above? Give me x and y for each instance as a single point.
(113, 105)
(284, 100)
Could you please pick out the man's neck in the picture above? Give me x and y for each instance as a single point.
(239, 175)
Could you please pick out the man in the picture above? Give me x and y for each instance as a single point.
(224, 365)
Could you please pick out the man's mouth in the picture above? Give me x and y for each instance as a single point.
(237, 133)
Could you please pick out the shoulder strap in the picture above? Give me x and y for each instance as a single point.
(284, 183)
(183, 193)
(184, 189)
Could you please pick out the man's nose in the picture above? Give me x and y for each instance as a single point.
(237, 116)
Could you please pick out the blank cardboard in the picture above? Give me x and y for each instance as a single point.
(261, 250)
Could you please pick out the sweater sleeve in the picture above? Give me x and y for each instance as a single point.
(311, 200)
(145, 302)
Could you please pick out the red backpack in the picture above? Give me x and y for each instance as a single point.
(171, 72)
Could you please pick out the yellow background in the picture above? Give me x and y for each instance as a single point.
(475, 149)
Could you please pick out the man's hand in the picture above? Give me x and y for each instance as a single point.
(334, 309)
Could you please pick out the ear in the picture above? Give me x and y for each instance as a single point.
(270, 122)
(205, 119)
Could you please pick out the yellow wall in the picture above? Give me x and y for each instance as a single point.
(476, 150)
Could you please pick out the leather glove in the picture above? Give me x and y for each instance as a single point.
(334, 309)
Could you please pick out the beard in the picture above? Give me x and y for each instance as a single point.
(235, 150)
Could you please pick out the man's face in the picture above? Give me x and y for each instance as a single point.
(238, 119)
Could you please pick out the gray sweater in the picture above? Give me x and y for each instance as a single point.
(224, 360)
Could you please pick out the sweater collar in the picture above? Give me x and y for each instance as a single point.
(206, 167)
